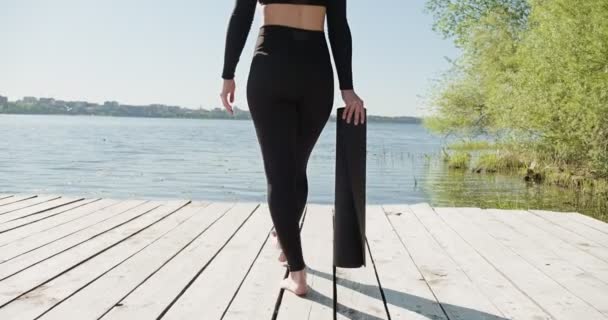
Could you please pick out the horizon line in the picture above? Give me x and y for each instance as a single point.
(163, 104)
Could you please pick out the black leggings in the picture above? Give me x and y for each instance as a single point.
(290, 93)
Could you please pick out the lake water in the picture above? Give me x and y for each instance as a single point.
(153, 158)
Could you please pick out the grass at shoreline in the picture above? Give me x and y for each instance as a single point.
(484, 157)
(588, 190)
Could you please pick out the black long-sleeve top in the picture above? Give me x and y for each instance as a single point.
(337, 27)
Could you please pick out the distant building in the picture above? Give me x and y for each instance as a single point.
(78, 104)
(113, 104)
(47, 100)
(30, 100)
(3, 101)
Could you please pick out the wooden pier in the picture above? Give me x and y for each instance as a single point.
(74, 258)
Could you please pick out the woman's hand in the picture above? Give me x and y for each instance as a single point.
(354, 105)
(227, 94)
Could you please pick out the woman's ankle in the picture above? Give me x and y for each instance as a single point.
(299, 269)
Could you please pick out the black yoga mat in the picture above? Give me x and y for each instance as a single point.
(349, 205)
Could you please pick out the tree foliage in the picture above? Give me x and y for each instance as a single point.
(544, 83)
(455, 18)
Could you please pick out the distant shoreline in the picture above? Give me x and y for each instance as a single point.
(50, 106)
(331, 119)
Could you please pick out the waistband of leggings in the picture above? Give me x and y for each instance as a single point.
(289, 29)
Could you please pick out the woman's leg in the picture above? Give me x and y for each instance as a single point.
(290, 95)
(287, 134)
(274, 114)
(313, 114)
(275, 125)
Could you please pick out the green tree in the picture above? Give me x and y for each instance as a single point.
(534, 72)
(562, 85)
(455, 18)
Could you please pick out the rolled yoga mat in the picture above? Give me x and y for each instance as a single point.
(349, 205)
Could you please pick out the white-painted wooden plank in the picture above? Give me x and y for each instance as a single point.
(4, 196)
(589, 221)
(407, 295)
(38, 274)
(459, 296)
(30, 226)
(96, 299)
(25, 204)
(580, 283)
(157, 293)
(581, 229)
(114, 273)
(317, 242)
(507, 297)
(583, 244)
(199, 203)
(219, 281)
(554, 298)
(16, 198)
(37, 209)
(564, 249)
(23, 253)
(358, 293)
(257, 296)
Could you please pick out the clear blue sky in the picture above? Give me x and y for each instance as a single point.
(170, 52)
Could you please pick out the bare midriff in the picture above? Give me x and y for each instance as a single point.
(310, 17)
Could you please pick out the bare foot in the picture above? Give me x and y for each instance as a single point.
(296, 283)
(275, 238)
(282, 257)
